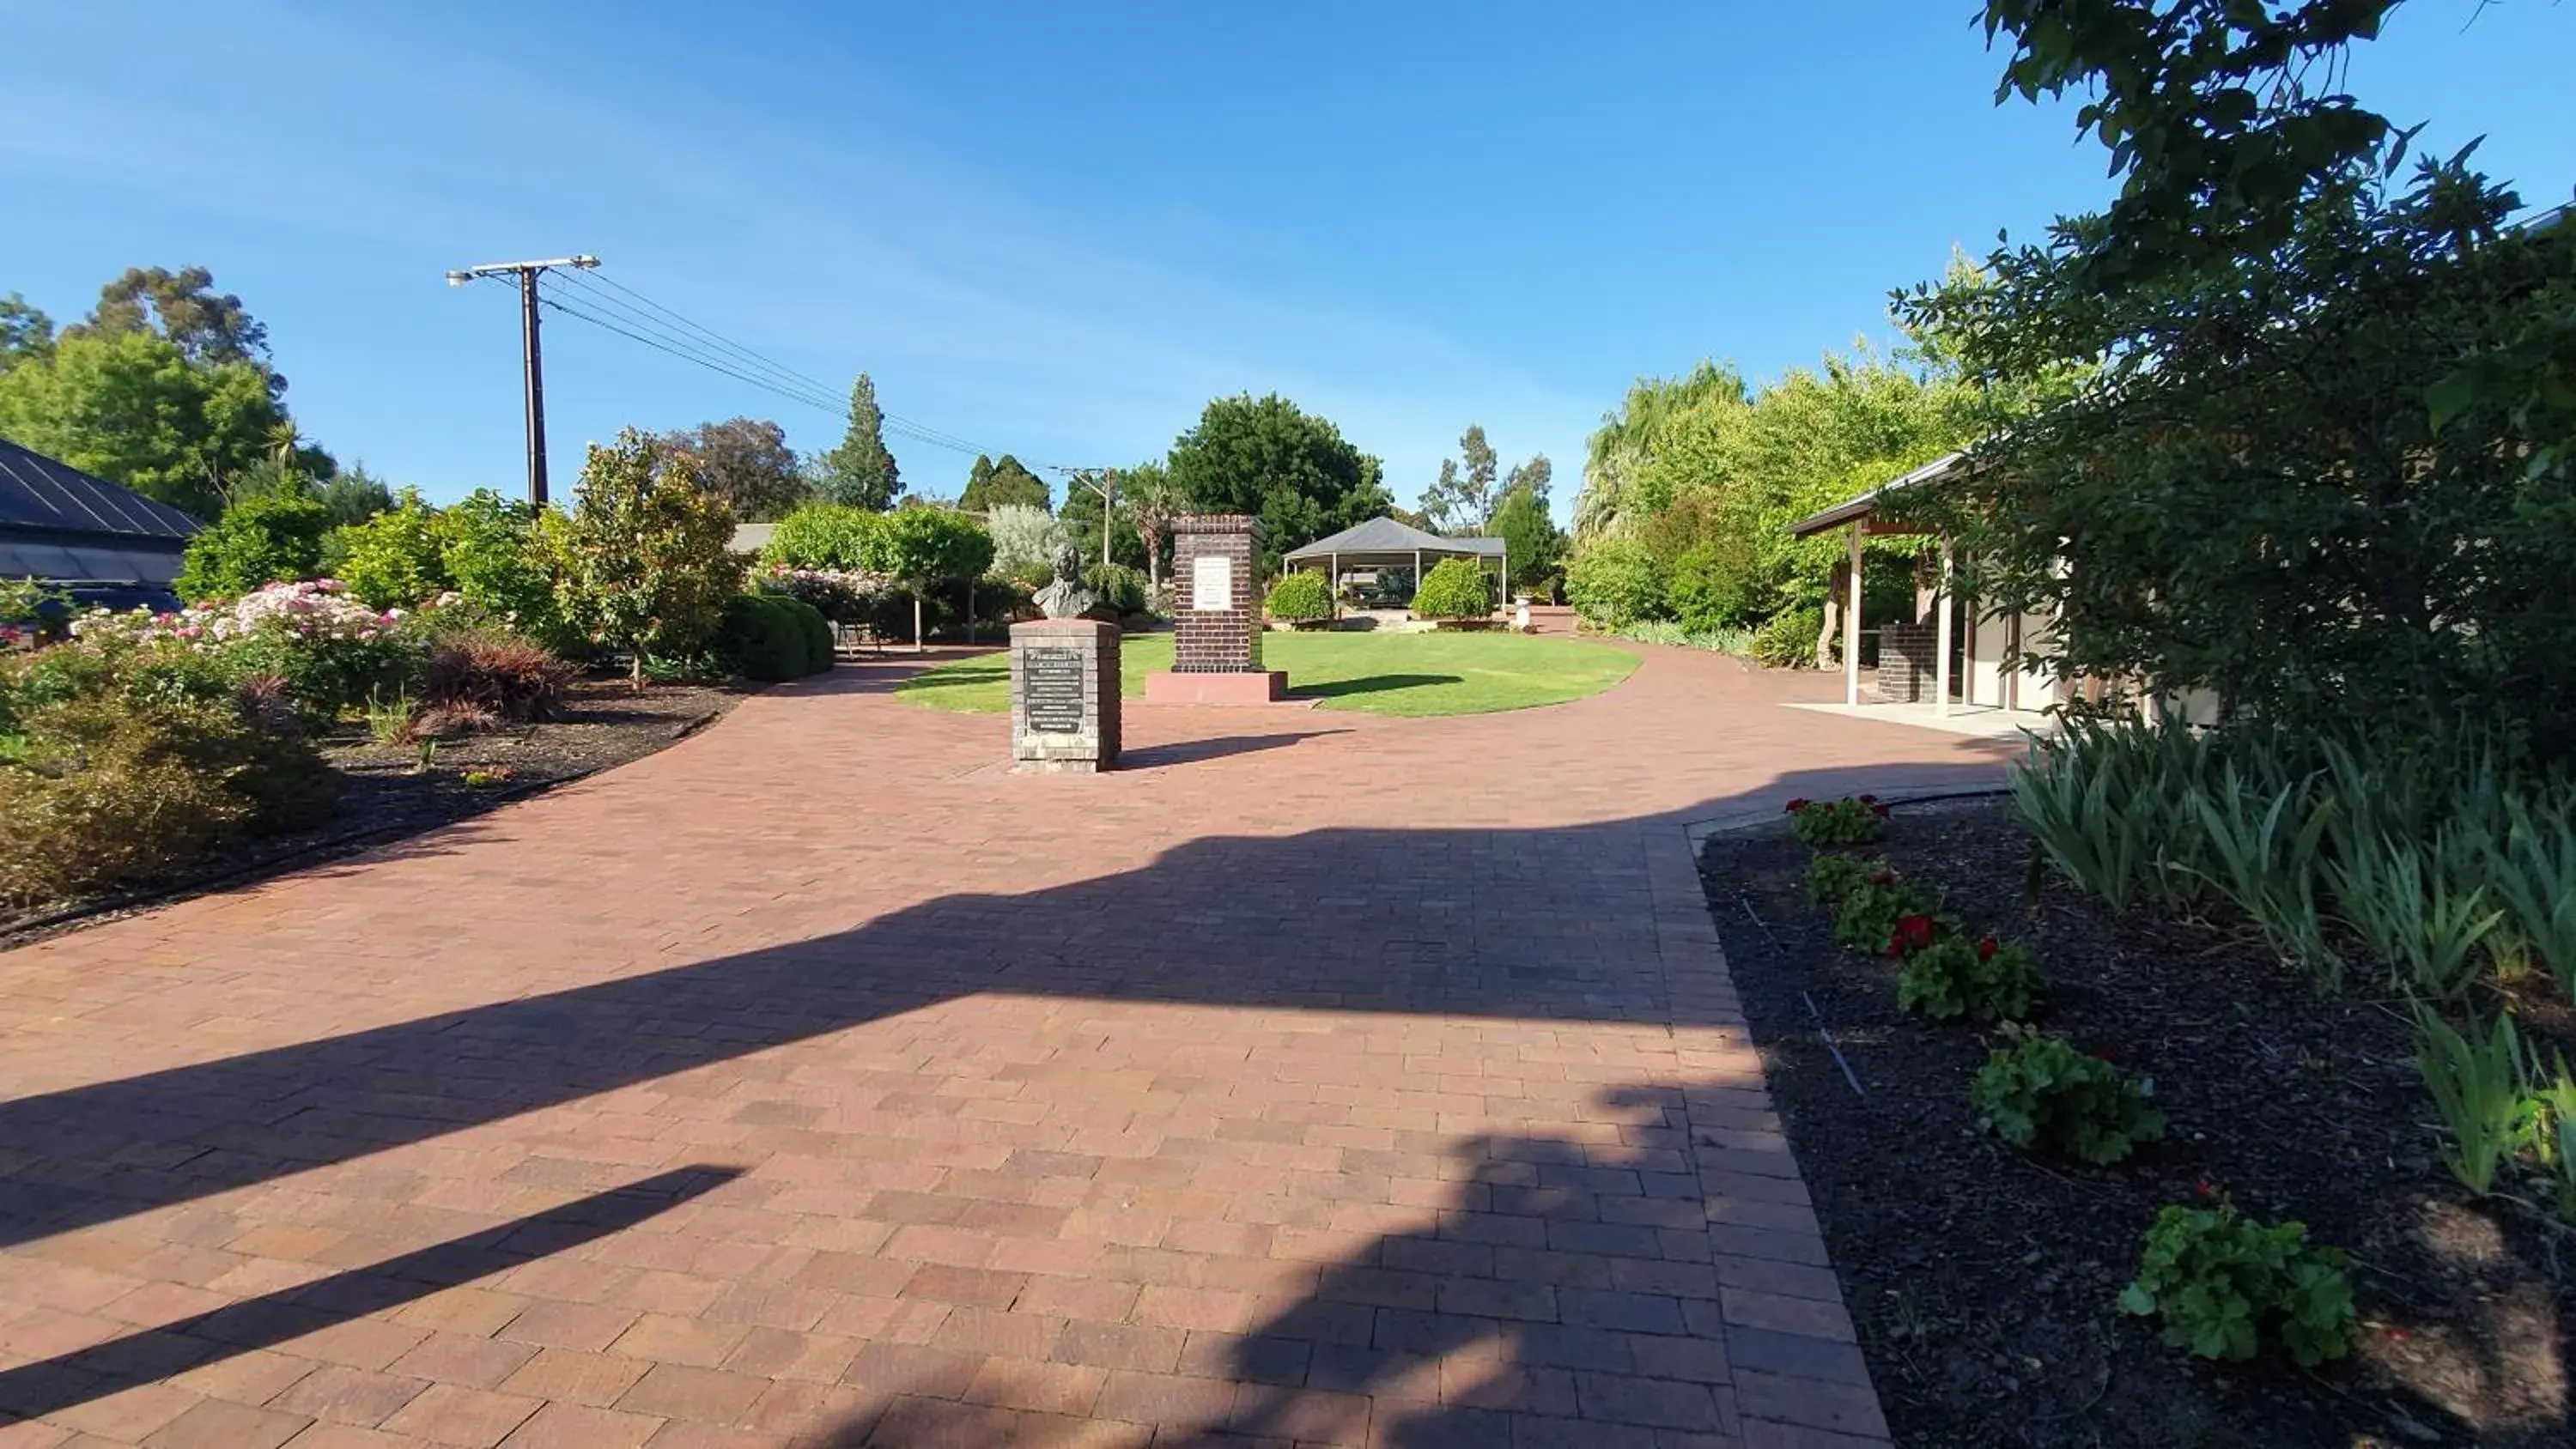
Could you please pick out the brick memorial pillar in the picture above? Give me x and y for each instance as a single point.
(1064, 696)
(1216, 619)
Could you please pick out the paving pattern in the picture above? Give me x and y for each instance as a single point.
(1320, 1078)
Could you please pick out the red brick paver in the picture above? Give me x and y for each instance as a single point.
(1319, 1078)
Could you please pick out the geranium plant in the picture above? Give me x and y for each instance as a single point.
(1947, 976)
(2229, 1287)
(2045, 1095)
(1823, 824)
(1867, 918)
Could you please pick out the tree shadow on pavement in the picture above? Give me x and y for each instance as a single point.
(1538, 924)
(49, 1386)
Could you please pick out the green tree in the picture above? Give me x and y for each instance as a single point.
(1286, 467)
(1633, 436)
(25, 332)
(274, 538)
(1614, 581)
(989, 485)
(2246, 491)
(353, 494)
(923, 547)
(860, 472)
(1531, 539)
(133, 409)
(645, 562)
(496, 554)
(209, 328)
(1462, 501)
(1536, 475)
(745, 463)
(1708, 475)
(1152, 502)
(839, 537)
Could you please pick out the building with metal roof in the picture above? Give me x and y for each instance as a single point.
(93, 540)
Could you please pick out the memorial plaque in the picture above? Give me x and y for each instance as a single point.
(1212, 582)
(1051, 690)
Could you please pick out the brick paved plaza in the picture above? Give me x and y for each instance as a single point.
(1320, 1078)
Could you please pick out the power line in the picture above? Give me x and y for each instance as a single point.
(764, 384)
(701, 344)
(680, 336)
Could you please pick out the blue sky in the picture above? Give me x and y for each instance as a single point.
(1057, 230)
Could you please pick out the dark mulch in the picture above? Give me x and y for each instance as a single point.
(388, 795)
(1983, 1281)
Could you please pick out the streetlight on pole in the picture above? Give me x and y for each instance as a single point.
(1103, 481)
(532, 359)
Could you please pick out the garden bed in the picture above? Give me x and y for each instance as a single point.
(1983, 1282)
(387, 795)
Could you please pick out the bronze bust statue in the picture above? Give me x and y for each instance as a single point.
(1066, 598)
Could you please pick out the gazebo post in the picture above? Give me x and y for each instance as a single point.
(1941, 637)
(1851, 623)
(1333, 581)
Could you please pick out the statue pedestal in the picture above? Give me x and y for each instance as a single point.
(1064, 696)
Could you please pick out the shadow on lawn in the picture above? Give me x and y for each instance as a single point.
(1371, 684)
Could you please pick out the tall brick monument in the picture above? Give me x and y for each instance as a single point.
(1216, 621)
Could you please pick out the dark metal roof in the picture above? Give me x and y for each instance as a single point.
(36, 492)
(1385, 535)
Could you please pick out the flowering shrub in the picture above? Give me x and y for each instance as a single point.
(844, 596)
(1946, 977)
(1822, 824)
(1867, 918)
(2045, 1094)
(330, 650)
(2229, 1287)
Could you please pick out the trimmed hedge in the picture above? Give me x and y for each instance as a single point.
(1300, 597)
(817, 631)
(767, 637)
(1453, 589)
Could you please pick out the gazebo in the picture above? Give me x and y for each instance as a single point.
(1384, 543)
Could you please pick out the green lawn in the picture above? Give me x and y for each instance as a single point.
(1398, 674)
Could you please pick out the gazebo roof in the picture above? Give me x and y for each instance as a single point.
(1385, 535)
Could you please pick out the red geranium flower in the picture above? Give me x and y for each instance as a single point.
(1869, 799)
(1913, 933)
(1878, 810)
(1986, 948)
(2205, 1188)
(1884, 877)
(1796, 805)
